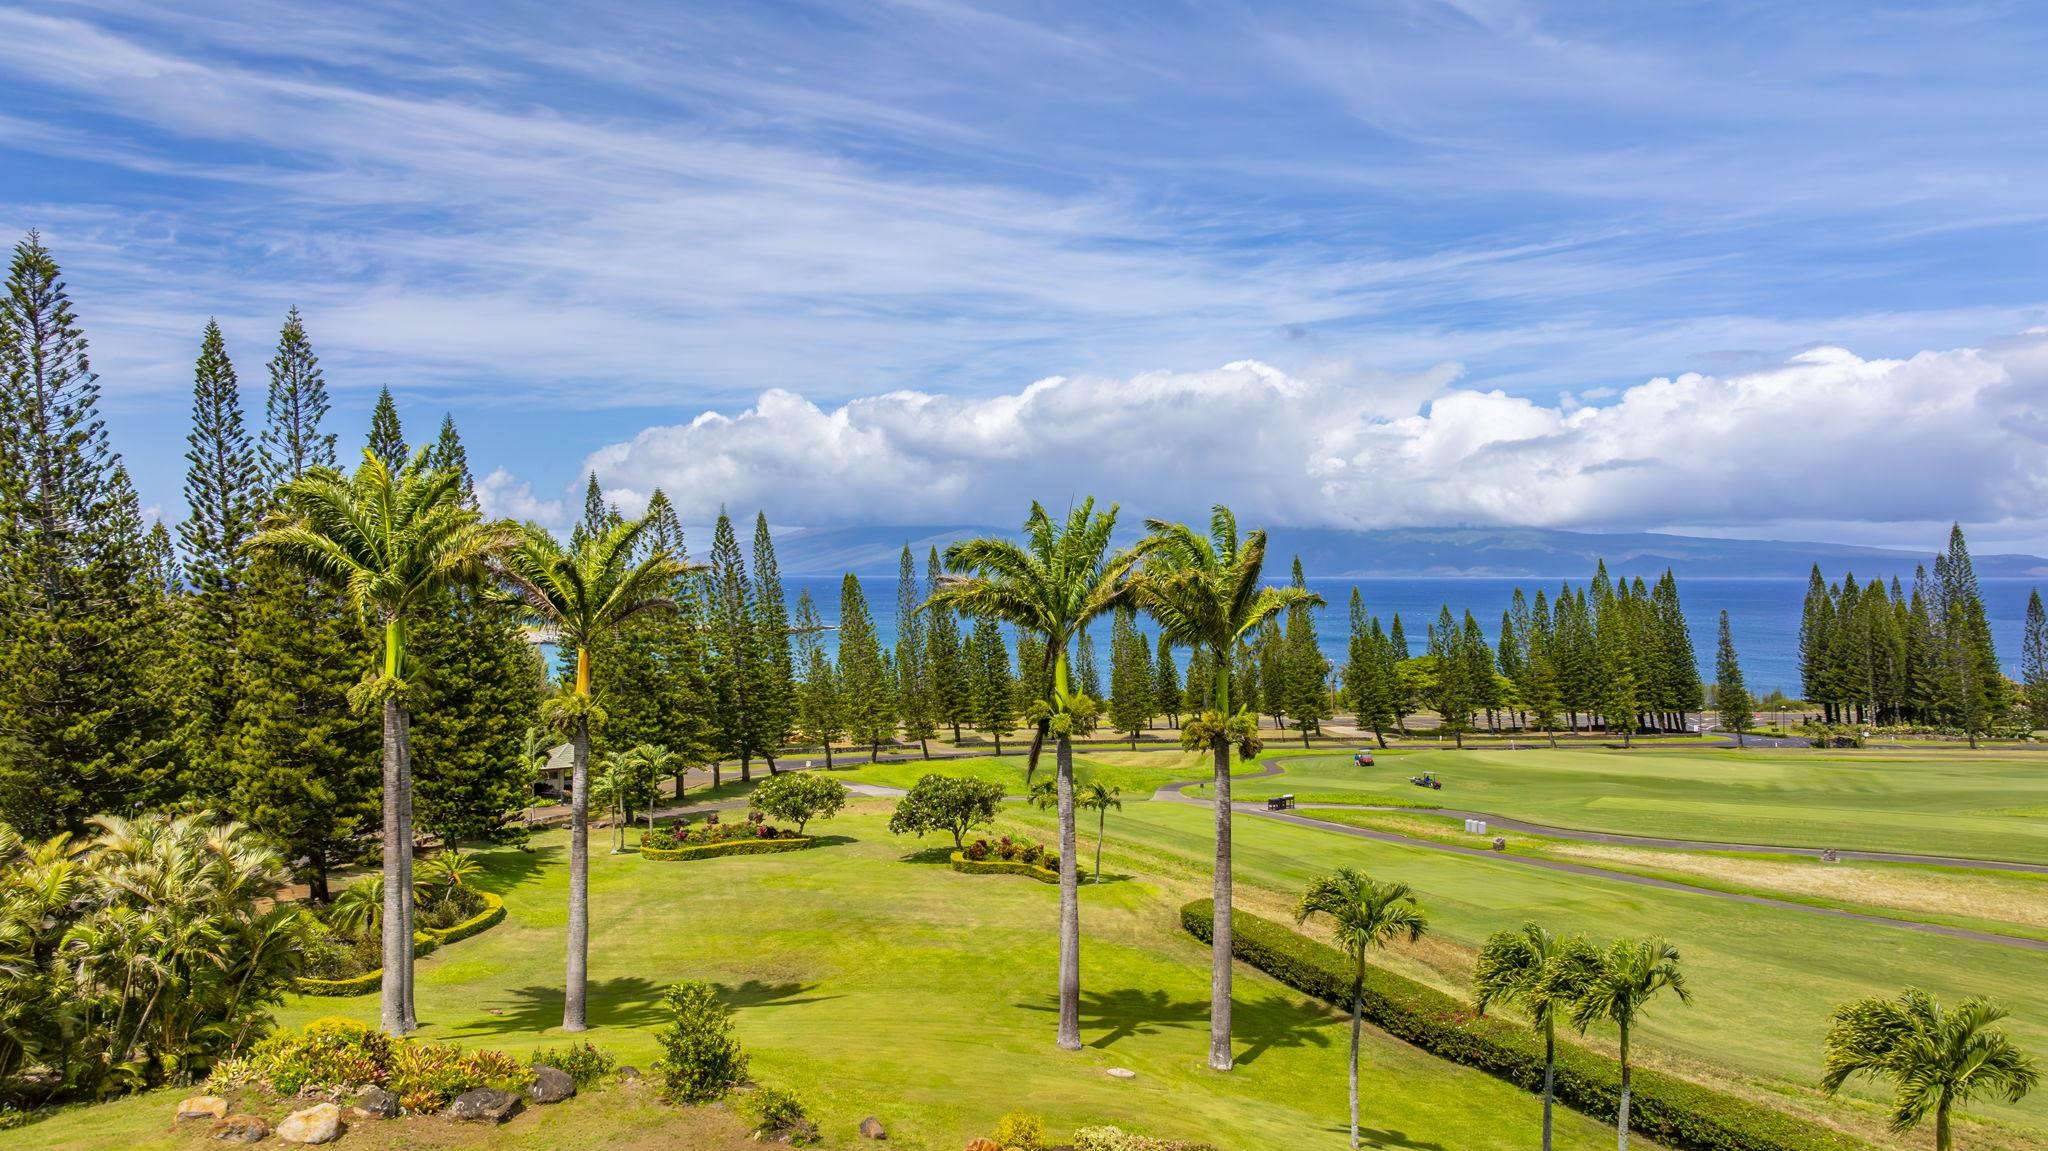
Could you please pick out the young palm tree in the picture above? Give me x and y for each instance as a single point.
(391, 541)
(1365, 915)
(1063, 576)
(1936, 1058)
(1099, 799)
(584, 594)
(1543, 975)
(1617, 989)
(1205, 594)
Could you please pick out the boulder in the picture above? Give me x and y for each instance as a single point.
(871, 1128)
(1121, 1073)
(484, 1105)
(320, 1123)
(551, 1085)
(628, 1072)
(203, 1107)
(239, 1129)
(374, 1103)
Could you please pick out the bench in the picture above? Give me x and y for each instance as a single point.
(1280, 803)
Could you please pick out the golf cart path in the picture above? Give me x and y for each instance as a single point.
(1172, 793)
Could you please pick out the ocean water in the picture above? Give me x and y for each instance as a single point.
(1763, 614)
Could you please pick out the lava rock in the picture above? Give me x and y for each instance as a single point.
(628, 1072)
(203, 1107)
(320, 1123)
(871, 1128)
(374, 1103)
(484, 1105)
(1121, 1073)
(551, 1085)
(239, 1129)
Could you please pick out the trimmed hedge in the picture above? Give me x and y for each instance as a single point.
(729, 847)
(1674, 1112)
(424, 943)
(1003, 867)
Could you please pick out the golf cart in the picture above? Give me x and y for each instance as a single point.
(1428, 780)
(1362, 759)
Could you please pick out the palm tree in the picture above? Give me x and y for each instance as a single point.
(1543, 975)
(1099, 799)
(1935, 1058)
(1059, 579)
(1365, 915)
(391, 541)
(660, 761)
(625, 779)
(1205, 594)
(584, 594)
(1617, 989)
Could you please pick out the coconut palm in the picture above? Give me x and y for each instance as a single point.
(1365, 915)
(1935, 1058)
(1629, 974)
(1205, 594)
(1099, 799)
(391, 541)
(1055, 582)
(583, 595)
(1543, 975)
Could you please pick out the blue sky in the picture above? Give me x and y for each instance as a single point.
(1372, 263)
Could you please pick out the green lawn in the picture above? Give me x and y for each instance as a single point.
(1989, 805)
(872, 984)
(1138, 774)
(1763, 978)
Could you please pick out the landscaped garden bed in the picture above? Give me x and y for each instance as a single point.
(1008, 857)
(348, 960)
(712, 839)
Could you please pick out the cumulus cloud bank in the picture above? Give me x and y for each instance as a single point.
(1826, 435)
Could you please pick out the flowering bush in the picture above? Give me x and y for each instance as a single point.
(978, 850)
(340, 1055)
(1006, 848)
(425, 1076)
(696, 835)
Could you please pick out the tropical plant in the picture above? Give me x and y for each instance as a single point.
(392, 539)
(1365, 915)
(1628, 975)
(1050, 586)
(1543, 975)
(946, 803)
(701, 1059)
(1099, 799)
(1935, 1058)
(1204, 592)
(798, 797)
(583, 595)
(625, 782)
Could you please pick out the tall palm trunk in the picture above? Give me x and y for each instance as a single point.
(573, 1001)
(1621, 1121)
(1549, 1075)
(1357, 1012)
(405, 891)
(1101, 824)
(395, 996)
(1220, 933)
(1070, 904)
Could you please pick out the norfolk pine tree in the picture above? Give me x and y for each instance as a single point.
(1731, 695)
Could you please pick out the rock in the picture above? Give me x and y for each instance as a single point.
(871, 1128)
(320, 1123)
(202, 1107)
(484, 1105)
(551, 1085)
(239, 1129)
(1121, 1073)
(374, 1103)
(983, 1144)
(628, 1072)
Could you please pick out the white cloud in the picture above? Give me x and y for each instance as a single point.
(502, 494)
(1824, 436)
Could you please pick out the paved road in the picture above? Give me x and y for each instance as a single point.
(1172, 793)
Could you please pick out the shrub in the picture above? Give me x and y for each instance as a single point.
(1107, 1138)
(1031, 853)
(1671, 1111)
(425, 1076)
(977, 851)
(1020, 1129)
(701, 1060)
(797, 797)
(940, 803)
(586, 1063)
(747, 846)
(1044, 871)
(773, 1113)
(329, 1053)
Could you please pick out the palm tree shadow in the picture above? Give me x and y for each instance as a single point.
(755, 993)
(511, 868)
(941, 854)
(818, 841)
(627, 1001)
(1380, 1138)
(1129, 1011)
(1277, 1021)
